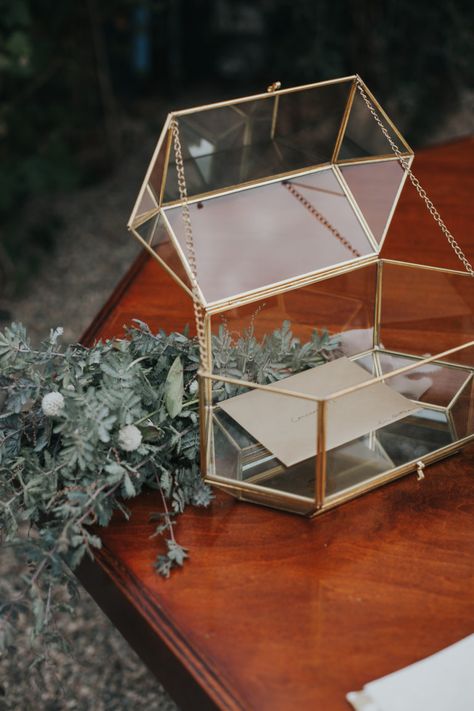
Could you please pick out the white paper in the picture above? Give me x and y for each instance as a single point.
(286, 426)
(442, 682)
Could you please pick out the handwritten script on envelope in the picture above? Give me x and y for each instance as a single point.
(286, 426)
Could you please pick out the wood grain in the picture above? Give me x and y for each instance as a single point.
(274, 611)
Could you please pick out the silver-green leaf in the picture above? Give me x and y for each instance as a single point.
(174, 388)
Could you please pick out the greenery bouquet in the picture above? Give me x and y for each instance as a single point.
(84, 429)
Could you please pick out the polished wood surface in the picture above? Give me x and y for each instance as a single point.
(274, 611)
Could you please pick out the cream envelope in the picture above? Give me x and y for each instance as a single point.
(286, 426)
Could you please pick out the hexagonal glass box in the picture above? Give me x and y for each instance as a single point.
(327, 370)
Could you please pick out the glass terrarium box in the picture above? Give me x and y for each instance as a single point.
(326, 370)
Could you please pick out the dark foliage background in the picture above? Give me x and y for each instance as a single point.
(76, 78)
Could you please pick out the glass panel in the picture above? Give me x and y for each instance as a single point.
(147, 205)
(227, 452)
(276, 338)
(375, 188)
(308, 124)
(157, 175)
(426, 311)
(256, 139)
(434, 383)
(239, 455)
(362, 137)
(368, 362)
(409, 431)
(253, 238)
(462, 411)
(282, 335)
(403, 440)
(415, 436)
(155, 234)
(354, 463)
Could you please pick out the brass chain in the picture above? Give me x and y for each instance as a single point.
(404, 162)
(191, 251)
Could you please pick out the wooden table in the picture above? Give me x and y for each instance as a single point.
(274, 611)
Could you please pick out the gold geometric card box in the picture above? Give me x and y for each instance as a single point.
(326, 370)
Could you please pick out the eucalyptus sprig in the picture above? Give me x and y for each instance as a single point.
(82, 430)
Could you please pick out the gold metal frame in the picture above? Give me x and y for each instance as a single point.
(274, 95)
(258, 493)
(276, 288)
(256, 490)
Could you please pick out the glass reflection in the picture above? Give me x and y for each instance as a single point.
(257, 139)
(360, 139)
(434, 383)
(357, 462)
(253, 238)
(240, 457)
(154, 232)
(374, 186)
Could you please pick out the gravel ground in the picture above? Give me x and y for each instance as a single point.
(101, 674)
(93, 251)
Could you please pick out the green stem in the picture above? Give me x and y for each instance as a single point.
(147, 417)
(155, 412)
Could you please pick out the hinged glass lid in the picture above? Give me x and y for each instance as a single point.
(282, 187)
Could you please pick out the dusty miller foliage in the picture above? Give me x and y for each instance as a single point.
(62, 477)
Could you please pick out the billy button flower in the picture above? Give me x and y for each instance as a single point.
(129, 438)
(52, 404)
